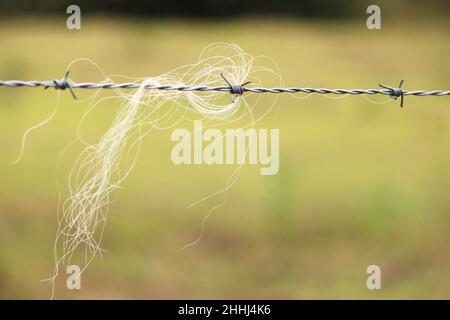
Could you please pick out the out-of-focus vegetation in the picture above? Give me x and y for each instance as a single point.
(359, 183)
(209, 9)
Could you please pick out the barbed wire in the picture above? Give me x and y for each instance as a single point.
(236, 89)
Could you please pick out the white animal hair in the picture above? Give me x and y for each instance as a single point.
(101, 167)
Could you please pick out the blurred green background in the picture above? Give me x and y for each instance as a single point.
(359, 183)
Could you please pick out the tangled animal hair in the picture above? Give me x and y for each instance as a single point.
(101, 167)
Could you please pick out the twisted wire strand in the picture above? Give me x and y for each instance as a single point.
(133, 85)
(234, 89)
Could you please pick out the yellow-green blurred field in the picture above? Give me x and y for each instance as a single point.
(359, 183)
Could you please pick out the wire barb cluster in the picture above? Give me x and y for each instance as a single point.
(63, 84)
(234, 89)
(395, 92)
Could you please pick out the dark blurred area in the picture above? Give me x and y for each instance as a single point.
(221, 8)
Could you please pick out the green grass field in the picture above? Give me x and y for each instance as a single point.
(359, 183)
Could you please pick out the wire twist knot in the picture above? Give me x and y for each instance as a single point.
(395, 92)
(237, 89)
(63, 84)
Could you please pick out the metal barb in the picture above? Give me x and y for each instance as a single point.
(237, 89)
(395, 92)
(63, 84)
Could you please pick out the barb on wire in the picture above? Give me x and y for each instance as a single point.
(63, 84)
(395, 92)
(234, 89)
